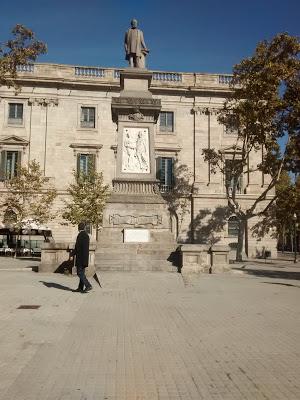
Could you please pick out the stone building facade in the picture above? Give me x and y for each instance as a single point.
(63, 118)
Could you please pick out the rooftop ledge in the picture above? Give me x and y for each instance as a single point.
(111, 76)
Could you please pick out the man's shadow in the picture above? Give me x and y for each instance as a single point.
(56, 286)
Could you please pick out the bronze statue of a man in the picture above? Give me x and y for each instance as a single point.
(135, 46)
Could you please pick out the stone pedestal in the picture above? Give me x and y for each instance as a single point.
(135, 202)
(201, 258)
(195, 258)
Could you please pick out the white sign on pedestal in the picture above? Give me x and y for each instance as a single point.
(135, 153)
(136, 235)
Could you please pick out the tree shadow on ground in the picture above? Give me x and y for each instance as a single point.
(282, 284)
(208, 225)
(265, 273)
(56, 286)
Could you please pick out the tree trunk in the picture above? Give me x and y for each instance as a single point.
(239, 250)
(177, 225)
(16, 247)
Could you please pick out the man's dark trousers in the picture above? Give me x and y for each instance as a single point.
(83, 282)
(81, 252)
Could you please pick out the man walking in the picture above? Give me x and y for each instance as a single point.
(81, 252)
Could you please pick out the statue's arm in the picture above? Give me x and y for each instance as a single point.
(143, 41)
(125, 41)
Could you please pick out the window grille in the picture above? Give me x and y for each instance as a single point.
(233, 176)
(87, 118)
(166, 121)
(10, 161)
(85, 164)
(233, 226)
(165, 173)
(15, 113)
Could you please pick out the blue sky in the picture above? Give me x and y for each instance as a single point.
(190, 35)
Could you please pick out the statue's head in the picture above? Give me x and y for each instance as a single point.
(134, 23)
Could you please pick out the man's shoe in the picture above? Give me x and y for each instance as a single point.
(88, 289)
(78, 290)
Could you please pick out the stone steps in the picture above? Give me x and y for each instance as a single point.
(136, 265)
(134, 257)
(135, 250)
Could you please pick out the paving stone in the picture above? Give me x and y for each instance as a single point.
(151, 336)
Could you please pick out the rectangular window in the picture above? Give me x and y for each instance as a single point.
(87, 117)
(10, 161)
(233, 226)
(85, 164)
(230, 131)
(166, 121)
(233, 175)
(15, 113)
(164, 172)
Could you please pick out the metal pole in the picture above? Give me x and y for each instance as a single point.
(295, 241)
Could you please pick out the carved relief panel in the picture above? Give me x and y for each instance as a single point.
(135, 151)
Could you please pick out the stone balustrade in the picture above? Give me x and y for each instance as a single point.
(25, 68)
(93, 72)
(167, 76)
(111, 76)
(225, 79)
(135, 187)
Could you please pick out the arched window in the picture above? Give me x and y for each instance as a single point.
(10, 217)
(233, 226)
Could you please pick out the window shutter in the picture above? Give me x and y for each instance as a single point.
(18, 161)
(3, 165)
(163, 171)
(91, 162)
(172, 172)
(158, 168)
(82, 114)
(19, 111)
(92, 115)
(169, 171)
(78, 165)
(170, 121)
(162, 119)
(11, 110)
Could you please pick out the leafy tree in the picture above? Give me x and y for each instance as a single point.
(19, 50)
(178, 198)
(264, 106)
(29, 196)
(88, 197)
(280, 213)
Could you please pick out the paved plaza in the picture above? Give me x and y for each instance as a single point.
(151, 336)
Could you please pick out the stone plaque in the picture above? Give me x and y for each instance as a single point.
(135, 151)
(136, 235)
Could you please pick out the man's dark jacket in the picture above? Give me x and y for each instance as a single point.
(81, 250)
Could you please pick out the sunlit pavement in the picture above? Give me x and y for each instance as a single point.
(151, 335)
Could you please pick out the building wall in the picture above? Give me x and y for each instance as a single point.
(53, 95)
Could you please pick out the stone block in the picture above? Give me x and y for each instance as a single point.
(220, 258)
(195, 258)
(55, 254)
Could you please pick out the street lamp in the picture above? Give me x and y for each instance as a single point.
(295, 237)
